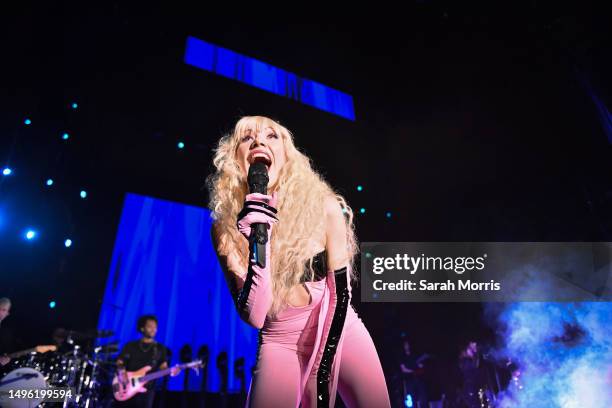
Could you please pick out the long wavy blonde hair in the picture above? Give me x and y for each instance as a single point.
(302, 194)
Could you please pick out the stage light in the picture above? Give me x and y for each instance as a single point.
(49, 182)
(27, 122)
(368, 255)
(359, 188)
(362, 210)
(7, 171)
(74, 105)
(65, 136)
(230, 64)
(30, 234)
(52, 304)
(68, 243)
(181, 145)
(83, 194)
(408, 401)
(388, 214)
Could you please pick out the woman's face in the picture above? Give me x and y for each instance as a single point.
(265, 145)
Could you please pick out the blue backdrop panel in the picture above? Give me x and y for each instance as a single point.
(230, 64)
(164, 263)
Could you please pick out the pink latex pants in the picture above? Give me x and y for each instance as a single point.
(287, 343)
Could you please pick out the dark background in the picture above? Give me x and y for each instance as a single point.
(471, 125)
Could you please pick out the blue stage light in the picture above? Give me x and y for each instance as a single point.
(74, 105)
(30, 234)
(68, 243)
(181, 145)
(49, 182)
(65, 136)
(260, 74)
(27, 122)
(362, 210)
(388, 214)
(83, 194)
(52, 304)
(359, 188)
(7, 171)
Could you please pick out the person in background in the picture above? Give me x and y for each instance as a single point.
(473, 377)
(139, 353)
(6, 334)
(60, 337)
(411, 368)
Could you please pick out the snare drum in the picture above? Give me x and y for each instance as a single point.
(25, 378)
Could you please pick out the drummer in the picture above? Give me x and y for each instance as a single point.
(60, 339)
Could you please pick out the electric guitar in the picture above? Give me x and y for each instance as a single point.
(37, 349)
(136, 380)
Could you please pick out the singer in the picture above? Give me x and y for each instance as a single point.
(286, 243)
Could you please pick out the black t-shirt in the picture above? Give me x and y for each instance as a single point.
(410, 362)
(137, 354)
(472, 373)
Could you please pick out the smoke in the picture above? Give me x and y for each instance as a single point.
(563, 352)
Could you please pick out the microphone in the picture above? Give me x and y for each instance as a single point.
(258, 183)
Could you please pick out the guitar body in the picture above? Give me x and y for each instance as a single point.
(136, 380)
(123, 392)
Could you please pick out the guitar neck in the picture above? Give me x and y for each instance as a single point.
(161, 373)
(155, 375)
(18, 354)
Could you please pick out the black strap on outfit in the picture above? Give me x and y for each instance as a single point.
(243, 295)
(333, 338)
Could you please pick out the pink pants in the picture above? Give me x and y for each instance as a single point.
(286, 345)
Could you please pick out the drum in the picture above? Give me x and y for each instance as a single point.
(31, 360)
(54, 369)
(62, 369)
(25, 378)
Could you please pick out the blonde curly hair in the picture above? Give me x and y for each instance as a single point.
(302, 194)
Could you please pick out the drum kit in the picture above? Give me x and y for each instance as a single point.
(84, 369)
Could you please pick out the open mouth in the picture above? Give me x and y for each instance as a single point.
(261, 158)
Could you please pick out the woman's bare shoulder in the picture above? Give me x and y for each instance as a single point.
(332, 206)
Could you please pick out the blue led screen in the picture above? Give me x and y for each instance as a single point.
(163, 263)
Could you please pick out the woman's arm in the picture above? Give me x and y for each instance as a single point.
(337, 273)
(251, 288)
(232, 269)
(335, 231)
(251, 307)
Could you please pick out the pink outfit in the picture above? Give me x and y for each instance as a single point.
(308, 353)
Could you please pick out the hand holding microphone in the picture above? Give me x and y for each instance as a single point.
(257, 217)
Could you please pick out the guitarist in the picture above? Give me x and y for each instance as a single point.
(6, 335)
(139, 353)
(411, 368)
